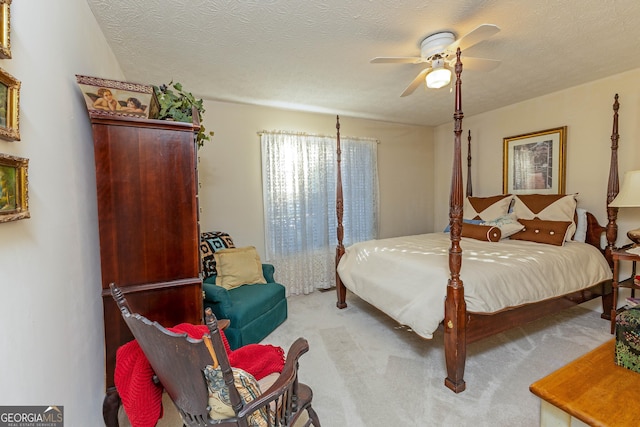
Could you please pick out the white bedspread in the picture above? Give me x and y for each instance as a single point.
(406, 277)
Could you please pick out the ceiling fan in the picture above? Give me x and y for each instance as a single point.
(439, 51)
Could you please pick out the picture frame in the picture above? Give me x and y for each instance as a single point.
(14, 184)
(9, 106)
(5, 29)
(535, 162)
(117, 98)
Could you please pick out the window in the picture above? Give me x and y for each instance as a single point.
(299, 188)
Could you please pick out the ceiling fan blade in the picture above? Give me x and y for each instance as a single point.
(477, 35)
(397, 60)
(480, 64)
(416, 82)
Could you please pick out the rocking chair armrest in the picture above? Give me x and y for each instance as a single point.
(283, 382)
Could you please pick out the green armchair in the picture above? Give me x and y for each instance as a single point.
(253, 310)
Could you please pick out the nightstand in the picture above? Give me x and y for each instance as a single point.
(589, 391)
(622, 255)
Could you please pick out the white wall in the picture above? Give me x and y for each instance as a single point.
(52, 350)
(231, 177)
(587, 112)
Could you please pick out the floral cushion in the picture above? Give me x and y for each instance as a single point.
(627, 352)
(508, 225)
(220, 402)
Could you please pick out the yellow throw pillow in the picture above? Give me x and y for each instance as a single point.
(238, 266)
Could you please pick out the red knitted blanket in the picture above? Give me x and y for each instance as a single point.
(142, 399)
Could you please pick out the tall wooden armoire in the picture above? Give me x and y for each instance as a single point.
(147, 184)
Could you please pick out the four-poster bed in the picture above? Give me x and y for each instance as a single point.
(467, 317)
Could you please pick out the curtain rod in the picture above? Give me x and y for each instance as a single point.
(285, 132)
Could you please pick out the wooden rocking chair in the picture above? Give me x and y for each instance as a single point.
(179, 363)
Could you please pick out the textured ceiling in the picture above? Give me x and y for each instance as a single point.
(314, 55)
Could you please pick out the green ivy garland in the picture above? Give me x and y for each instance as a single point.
(176, 104)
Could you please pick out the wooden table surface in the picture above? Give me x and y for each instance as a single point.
(594, 389)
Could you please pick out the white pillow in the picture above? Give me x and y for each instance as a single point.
(581, 226)
(508, 224)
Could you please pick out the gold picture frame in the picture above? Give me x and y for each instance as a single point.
(9, 106)
(535, 162)
(14, 184)
(5, 29)
(117, 98)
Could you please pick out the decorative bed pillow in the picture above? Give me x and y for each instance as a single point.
(547, 207)
(508, 225)
(238, 266)
(487, 233)
(486, 208)
(219, 400)
(540, 231)
(210, 242)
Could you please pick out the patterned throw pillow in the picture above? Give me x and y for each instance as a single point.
(547, 207)
(486, 208)
(211, 242)
(508, 225)
(220, 402)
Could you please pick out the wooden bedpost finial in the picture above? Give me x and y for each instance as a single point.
(455, 306)
(340, 288)
(613, 186)
(469, 185)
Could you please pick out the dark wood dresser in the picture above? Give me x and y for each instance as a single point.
(147, 185)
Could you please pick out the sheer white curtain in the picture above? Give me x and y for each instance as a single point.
(299, 189)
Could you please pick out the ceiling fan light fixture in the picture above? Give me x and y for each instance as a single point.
(438, 78)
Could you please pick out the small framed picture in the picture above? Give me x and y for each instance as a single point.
(5, 29)
(14, 183)
(535, 162)
(9, 106)
(116, 98)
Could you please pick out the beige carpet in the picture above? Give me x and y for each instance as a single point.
(366, 371)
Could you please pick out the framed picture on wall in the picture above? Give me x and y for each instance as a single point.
(535, 162)
(116, 98)
(5, 29)
(9, 106)
(14, 182)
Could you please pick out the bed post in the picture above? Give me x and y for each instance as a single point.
(611, 229)
(455, 309)
(613, 186)
(340, 289)
(469, 186)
